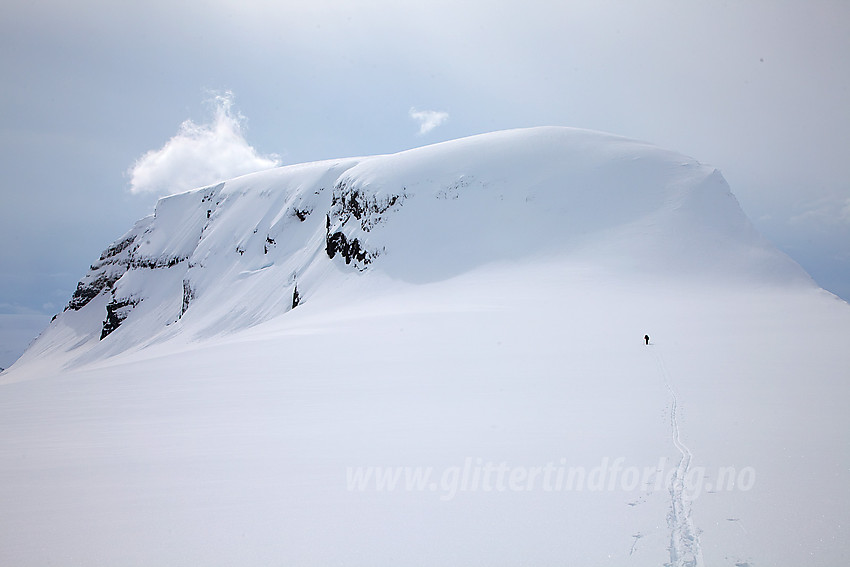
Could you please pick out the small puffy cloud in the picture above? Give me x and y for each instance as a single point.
(200, 154)
(428, 119)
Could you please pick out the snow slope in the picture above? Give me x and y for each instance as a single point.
(461, 377)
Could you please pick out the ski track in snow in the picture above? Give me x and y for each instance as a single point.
(684, 548)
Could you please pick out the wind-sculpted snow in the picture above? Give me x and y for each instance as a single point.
(441, 210)
(226, 257)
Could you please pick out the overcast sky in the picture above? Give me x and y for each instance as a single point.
(108, 104)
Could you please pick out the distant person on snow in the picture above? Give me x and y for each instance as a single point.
(646, 338)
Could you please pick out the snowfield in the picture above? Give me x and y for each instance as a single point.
(437, 357)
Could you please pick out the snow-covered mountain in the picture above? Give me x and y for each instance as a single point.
(227, 257)
(438, 357)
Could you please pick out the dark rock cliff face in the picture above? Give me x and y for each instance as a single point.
(348, 201)
(348, 249)
(88, 289)
(353, 209)
(118, 247)
(112, 264)
(188, 296)
(116, 312)
(119, 258)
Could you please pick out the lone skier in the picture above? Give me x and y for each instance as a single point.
(646, 338)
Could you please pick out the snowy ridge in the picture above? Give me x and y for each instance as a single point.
(230, 256)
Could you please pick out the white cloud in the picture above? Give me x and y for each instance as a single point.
(428, 119)
(200, 154)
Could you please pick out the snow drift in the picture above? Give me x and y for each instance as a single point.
(437, 357)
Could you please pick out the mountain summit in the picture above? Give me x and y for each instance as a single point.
(225, 257)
